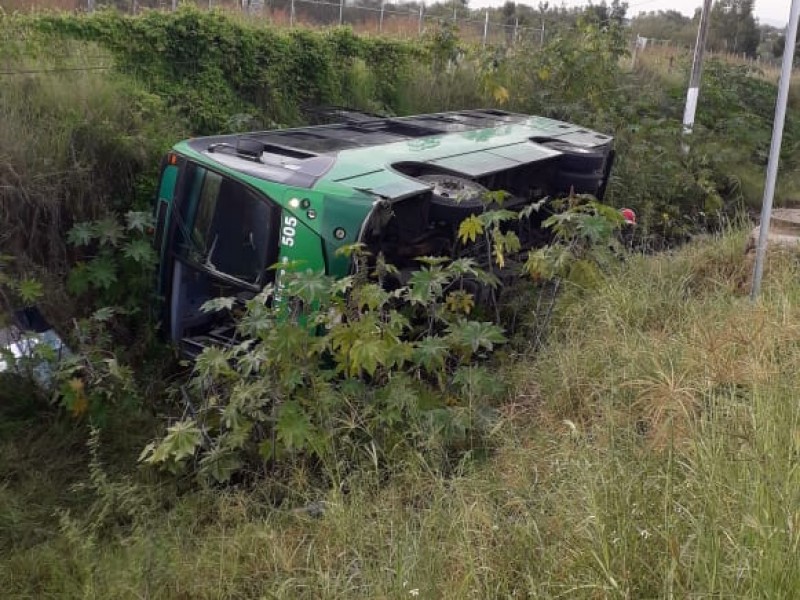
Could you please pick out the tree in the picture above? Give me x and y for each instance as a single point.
(666, 25)
(779, 43)
(733, 28)
(606, 14)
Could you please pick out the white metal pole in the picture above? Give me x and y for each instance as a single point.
(174, 5)
(516, 28)
(380, 23)
(635, 51)
(541, 39)
(291, 14)
(697, 69)
(421, 8)
(485, 28)
(775, 147)
(341, 11)
(90, 6)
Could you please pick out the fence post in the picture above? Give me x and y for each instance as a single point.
(421, 7)
(90, 6)
(485, 28)
(341, 11)
(174, 5)
(291, 14)
(380, 23)
(541, 38)
(516, 28)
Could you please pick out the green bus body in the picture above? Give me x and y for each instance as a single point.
(231, 206)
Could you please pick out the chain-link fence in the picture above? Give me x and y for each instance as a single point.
(407, 20)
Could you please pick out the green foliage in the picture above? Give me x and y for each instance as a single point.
(113, 281)
(366, 368)
(116, 262)
(575, 77)
(17, 291)
(216, 69)
(649, 450)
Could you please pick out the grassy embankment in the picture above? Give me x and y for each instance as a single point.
(651, 449)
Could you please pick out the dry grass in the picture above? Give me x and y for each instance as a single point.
(652, 451)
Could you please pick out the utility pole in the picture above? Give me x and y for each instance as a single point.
(697, 69)
(775, 147)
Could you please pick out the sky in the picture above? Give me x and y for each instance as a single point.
(771, 12)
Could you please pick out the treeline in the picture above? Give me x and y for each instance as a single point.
(733, 28)
(545, 15)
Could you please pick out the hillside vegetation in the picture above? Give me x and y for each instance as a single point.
(634, 435)
(651, 450)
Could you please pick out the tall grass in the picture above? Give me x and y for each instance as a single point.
(650, 451)
(79, 141)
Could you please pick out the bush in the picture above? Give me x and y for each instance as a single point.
(347, 368)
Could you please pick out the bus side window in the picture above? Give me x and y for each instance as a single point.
(231, 228)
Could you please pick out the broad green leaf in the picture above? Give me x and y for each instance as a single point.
(81, 234)
(496, 217)
(474, 335)
(218, 304)
(287, 342)
(370, 295)
(341, 286)
(293, 428)
(425, 285)
(398, 323)
(104, 314)
(182, 440)
(79, 280)
(140, 251)
(108, 231)
(469, 229)
(396, 353)
(139, 221)
(460, 301)
(366, 355)
(430, 353)
(311, 287)
(30, 290)
(463, 266)
(102, 272)
(539, 264)
(348, 250)
(220, 464)
(213, 362)
(596, 229)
